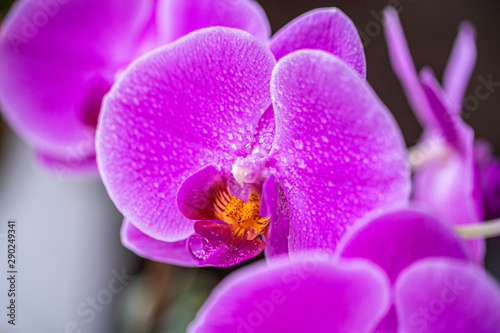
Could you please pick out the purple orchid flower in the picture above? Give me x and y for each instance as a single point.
(213, 152)
(58, 58)
(397, 239)
(457, 178)
(403, 271)
(299, 296)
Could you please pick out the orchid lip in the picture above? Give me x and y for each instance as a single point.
(228, 229)
(243, 217)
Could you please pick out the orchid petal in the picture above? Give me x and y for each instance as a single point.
(305, 296)
(404, 68)
(197, 194)
(449, 124)
(273, 205)
(460, 66)
(175, 253)
(398, 238)
(174, 111)
(217, 245)
(327, 29)
(340, 153)
(59, 58)
(388, 324)
(489, 177)
(450, 187)
(177, 18)
(443, 295)
(264, 136)
(75, 164)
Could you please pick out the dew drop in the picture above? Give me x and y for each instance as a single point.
(199, 247)
(250, 233)
(301, 164)
(299, 144)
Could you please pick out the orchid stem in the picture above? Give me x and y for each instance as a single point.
(486, 229)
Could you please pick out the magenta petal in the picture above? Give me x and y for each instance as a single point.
(404, 68)
(177, 18)
(396, 239)
(197, 194)
(460, 66)
(57, 60)
(443, 295)
(274, 205)
(264, 136)
(179, 108)
(389, 324)
(175, 253)
(340, 153)
(327, 29)
(446, 185)
(196, 198)
(449, 123)
(450, 187)
(215, 244)
(306, 296)
(73, 165)
(489, 177)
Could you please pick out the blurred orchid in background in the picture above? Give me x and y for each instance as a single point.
(454, 175)
(402, 271)
(218, 142)
(207, 172)
(397, 239)
(59, 58)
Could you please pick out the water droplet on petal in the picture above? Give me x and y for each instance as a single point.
(301, 164)
(199, 247)
(250, 233)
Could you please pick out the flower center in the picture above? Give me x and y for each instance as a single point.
(243, 217)
(227, 230)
